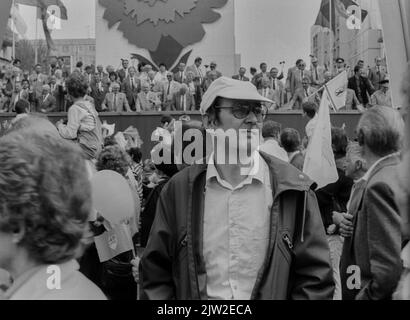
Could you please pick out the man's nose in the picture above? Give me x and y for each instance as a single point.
(251, 118)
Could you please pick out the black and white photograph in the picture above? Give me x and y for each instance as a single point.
(212, 151)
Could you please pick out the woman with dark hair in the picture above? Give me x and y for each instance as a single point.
(113, 78)
(83, 125)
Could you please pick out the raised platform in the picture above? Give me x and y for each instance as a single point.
(147, 122)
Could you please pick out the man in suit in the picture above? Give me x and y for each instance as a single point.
(131, 85)
(168, 89)
(123, 71)
(115, 101)
(147, 100)
(372, 227)
(278, 88)
(317, 73)
(377, 73)
(47, 102)
(304, 94)
(267, 92)
(257, 79)
(196, 69)
(22, 93)
(296, 75)
(182, 100)
(361, 86)
(37, 80)
(180, 76)
(241, 76)
(98, 91)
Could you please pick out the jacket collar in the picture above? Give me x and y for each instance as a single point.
(390, 160)
(283, 175)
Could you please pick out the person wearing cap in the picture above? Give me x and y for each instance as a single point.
(47, 102)
(317, 73)
(169, 88)
(377, 73)
(340, 66)
(237, 231)
(382, 97)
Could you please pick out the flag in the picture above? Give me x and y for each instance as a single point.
(44, 4)
(320, 163)
(114, 242)
(18, 21)
(339, 6)
(5, 7)
(337, 90)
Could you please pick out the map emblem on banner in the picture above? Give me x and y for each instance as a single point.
(163, 27)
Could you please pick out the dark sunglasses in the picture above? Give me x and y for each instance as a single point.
(241, 111)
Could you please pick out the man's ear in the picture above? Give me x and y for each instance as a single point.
(209, 121)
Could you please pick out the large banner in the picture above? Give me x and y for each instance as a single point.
(157, 31)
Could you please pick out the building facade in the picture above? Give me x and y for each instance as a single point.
(352, 45)
(78, 49)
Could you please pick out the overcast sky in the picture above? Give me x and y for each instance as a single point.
(266, 30)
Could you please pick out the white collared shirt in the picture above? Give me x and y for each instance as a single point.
(236, 230)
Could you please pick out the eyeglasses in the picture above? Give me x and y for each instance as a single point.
(241, 111)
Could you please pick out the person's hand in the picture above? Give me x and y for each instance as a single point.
(346, 226)
(59, 122)
(337, 217)
(331, 229)
(135, 266)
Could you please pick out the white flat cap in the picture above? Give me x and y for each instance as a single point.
(228, 88)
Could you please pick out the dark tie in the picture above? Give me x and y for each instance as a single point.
(132, 84)
(169, 88)
(317, 76)
(273, 84)
(306, 93)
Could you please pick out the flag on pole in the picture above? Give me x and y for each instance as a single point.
(44, 4)
(5, 6)
(337, 89)
(18, 21)
(327, 14)
(320, 163)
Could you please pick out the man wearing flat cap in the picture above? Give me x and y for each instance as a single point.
(382, 97)
(237, 230)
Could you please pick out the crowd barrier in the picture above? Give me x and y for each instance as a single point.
(147, 122)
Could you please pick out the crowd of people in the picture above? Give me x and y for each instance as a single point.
(206, 230)
(140, 88)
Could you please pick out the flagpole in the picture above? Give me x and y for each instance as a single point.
(37, 44)
(12, 30)
(331, 36)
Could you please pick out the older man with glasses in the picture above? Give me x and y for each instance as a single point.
(247, 229)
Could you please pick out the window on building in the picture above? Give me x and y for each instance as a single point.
(65, 49)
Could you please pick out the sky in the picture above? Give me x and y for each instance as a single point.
(265, 30)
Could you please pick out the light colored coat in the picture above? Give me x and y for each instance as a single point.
(120, 105)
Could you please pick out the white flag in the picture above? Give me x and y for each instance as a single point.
(320, 163)
(19, 24)
(337, 88)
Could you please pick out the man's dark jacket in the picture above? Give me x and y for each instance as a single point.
(376, 243)
(173, 266)
(364, 88)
